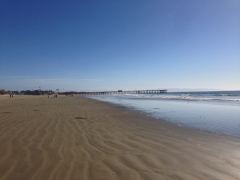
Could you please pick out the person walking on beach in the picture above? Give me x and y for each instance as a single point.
(11, 94)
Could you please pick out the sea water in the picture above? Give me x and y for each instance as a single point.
(214, 111)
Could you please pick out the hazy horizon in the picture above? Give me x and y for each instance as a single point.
(110, 45)
(124, 89)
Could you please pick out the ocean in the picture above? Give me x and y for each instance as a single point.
(212, 111)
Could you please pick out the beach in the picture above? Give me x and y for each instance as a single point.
(75, 138)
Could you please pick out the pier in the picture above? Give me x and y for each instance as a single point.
(120, 92)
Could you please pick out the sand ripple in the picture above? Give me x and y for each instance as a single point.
(78, 139)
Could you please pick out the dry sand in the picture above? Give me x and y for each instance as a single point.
(72, 138)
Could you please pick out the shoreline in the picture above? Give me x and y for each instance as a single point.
(154, 118)
(81, 138)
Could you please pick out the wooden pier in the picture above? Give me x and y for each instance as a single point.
(120, 92)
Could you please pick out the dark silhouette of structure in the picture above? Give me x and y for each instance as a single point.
(94, 93)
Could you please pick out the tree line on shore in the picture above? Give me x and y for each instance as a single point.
(27, 92)
(38, 92)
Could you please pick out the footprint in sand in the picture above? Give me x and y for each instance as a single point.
(78, 117)
(6, 112)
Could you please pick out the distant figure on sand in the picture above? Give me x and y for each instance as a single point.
(54, 96)
(11, 94)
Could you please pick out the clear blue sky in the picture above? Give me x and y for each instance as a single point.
(126, 44)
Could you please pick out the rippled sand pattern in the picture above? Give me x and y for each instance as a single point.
(70, 138)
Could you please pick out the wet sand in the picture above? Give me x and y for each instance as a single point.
(72, 138)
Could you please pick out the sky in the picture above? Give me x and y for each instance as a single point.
(127, 44)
